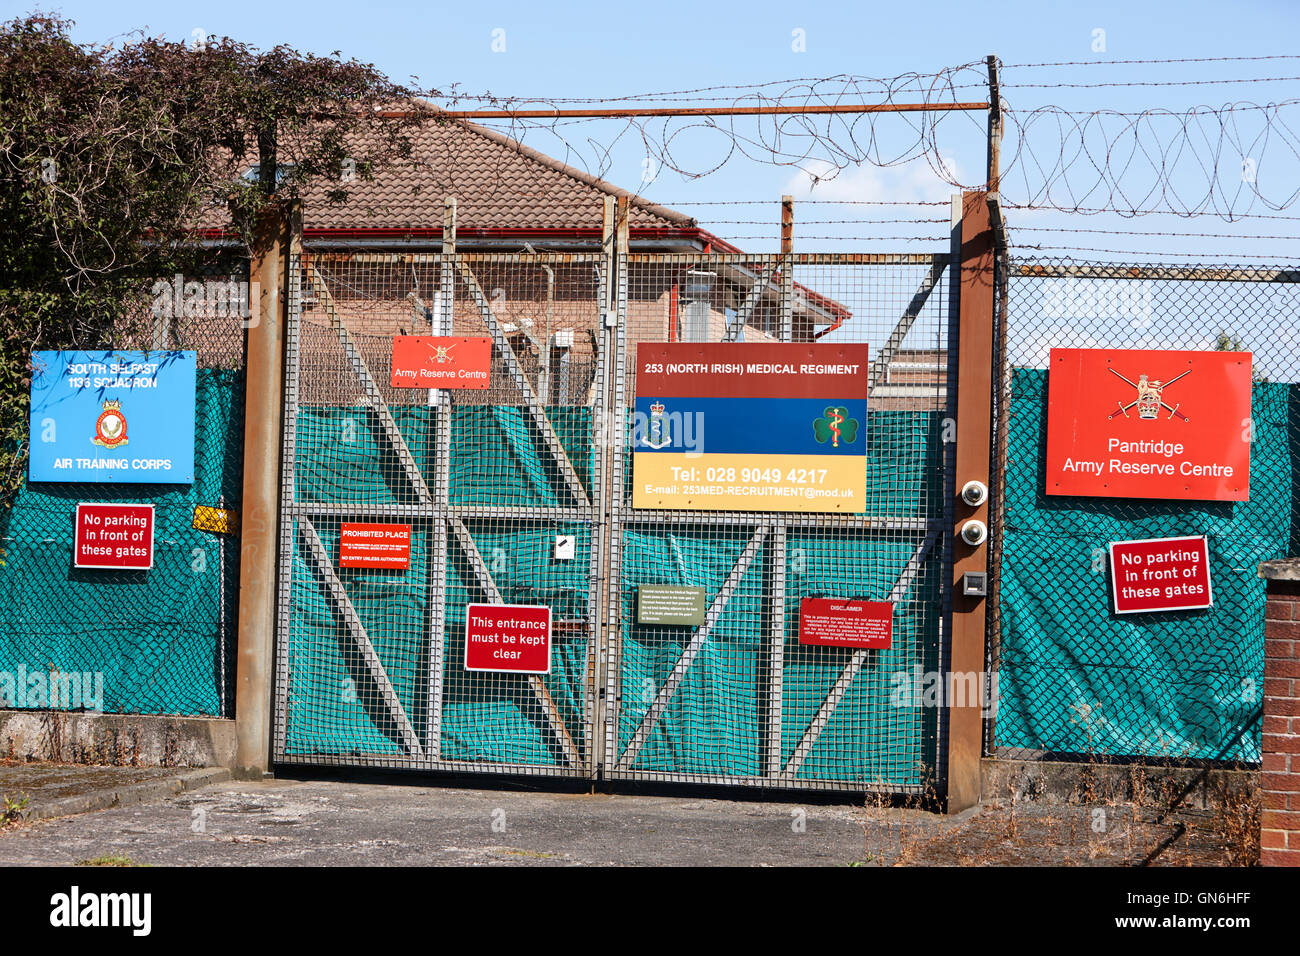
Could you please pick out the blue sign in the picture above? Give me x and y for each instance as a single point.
(113, 417)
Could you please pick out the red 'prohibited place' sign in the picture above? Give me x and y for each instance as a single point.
(1160, 574)
(375, 546)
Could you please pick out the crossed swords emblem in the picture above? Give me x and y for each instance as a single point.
(440, 352)
(1150, 398)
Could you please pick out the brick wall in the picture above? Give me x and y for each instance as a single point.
(1280, 779)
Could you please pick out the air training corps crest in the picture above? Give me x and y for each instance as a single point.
(110, 427)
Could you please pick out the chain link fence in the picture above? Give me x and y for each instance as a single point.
(155, 642)
(1075, 679)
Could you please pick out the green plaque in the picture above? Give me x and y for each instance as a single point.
(667, 604)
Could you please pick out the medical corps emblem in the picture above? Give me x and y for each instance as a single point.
(110, 427)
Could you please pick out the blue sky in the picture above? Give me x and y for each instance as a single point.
(605, 50)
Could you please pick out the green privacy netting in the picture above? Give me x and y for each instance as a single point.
(344, 456)
(156, 637)
(717, 723)
(1075, 677)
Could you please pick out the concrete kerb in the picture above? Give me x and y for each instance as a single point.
(113, 795)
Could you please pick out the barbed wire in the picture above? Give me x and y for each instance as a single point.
(1233, 161)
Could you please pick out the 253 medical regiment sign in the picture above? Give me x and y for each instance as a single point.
(750, 427)
(124, 417)
(1149, 424)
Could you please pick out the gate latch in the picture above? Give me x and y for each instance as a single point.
(975, 584)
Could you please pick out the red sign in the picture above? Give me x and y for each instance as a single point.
(1160, 574)
(508, 638)
(114, 536)
(426, 361)
(375, 546)
(751, 370)
(840, 622)
(1149, 424)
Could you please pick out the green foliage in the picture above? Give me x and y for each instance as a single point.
(1227, 342)
(13, 810)
(113, 157)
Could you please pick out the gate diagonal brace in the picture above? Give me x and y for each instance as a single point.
(689, 653)
(851, 669)
(362, 372)
(905, 322)
(343, 605)
(535, 682)
(507, 352)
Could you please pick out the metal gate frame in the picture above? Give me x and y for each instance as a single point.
(770, 529)
(448, 524)
(604, 510)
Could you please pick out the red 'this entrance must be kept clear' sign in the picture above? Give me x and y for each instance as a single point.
(508, 638)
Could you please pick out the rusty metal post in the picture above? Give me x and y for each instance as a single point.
(264, 380)
(974, 434)
(787, 270)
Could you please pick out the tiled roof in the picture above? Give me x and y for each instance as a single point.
(497, 182)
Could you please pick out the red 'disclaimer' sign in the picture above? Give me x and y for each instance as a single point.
(384, 546)
(1160, 574)
(508, 638)
(114, 536)
(1149, 424)
(427, 361)
(839, 622)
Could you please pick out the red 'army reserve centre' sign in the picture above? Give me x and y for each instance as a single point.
(427, 361)
(1149, 424)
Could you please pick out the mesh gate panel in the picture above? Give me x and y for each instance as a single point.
(371, 667)
(371, 663)
(739, 700)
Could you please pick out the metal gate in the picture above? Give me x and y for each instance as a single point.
(370, 664)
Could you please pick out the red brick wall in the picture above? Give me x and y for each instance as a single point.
(1280, 823)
